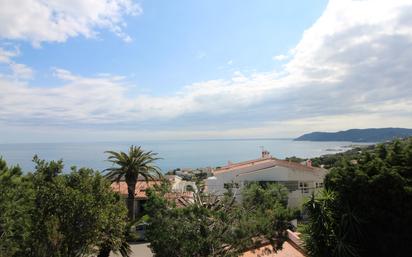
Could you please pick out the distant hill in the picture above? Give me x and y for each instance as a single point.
(358, 135)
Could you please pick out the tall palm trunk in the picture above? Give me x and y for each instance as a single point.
(131, 187)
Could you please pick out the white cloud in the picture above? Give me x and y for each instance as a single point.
(7, 54)
(40, 21)
(21, 71)
(103, 99)
(280, 57)
(17, 70)
(351, 69)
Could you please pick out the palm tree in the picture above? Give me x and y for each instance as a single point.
(129, 167)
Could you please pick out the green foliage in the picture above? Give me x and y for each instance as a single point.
(295, 159)
(15, 223)
(327, 233)
(213, 226)
(49, 213)
(366, 209)
(129, 166)
(264, 196)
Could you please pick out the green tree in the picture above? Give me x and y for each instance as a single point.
(366, 209)
(48, 213)
(16, 196)
(130, 166)
(75, 213)
(211, 226)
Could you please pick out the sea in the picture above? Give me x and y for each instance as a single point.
(173, 153)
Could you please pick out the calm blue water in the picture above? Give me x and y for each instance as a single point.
(175, 154)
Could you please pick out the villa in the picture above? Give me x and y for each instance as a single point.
(300, 179)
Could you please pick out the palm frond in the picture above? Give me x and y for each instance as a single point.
(133, 164)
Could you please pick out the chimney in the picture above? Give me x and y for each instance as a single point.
(265, 154)
(309, 162)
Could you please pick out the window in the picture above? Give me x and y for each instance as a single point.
(319, 184)
(231, 185)
(304, 188)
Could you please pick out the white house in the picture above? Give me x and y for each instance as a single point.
(300, 179)
(180, 186)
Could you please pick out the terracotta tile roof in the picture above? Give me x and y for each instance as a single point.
(181, 199)
(291, 248)
(288, 250)
(265, 163)
(140, 190)
(295, 165)
(241, 165)
(142, 186)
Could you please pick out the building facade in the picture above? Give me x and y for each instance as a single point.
(301, 180)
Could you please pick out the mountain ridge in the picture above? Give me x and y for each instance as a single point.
(369, 135)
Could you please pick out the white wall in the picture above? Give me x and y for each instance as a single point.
(180, 186)
(215, 184)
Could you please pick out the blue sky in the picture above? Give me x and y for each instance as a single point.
(92, 69)
(178, 43)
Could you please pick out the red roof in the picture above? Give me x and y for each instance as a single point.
(140, 190)
(288, 250)
(142, 186)
(291, 248)
(270, 162)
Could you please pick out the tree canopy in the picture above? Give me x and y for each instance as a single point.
(366, 207)
(48, 213)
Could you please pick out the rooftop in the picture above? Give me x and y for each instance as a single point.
(288, 250)
(291, 248)
(142, 186)
(140, 190)
(267, 163)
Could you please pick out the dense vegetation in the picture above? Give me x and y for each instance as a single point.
(366, 207)
(333, 160)
(47, 213)
(212, 226)
(329, 161)
(358, 135)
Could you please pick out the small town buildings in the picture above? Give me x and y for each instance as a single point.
(300, 179)
(179, 185)
(181, 190)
